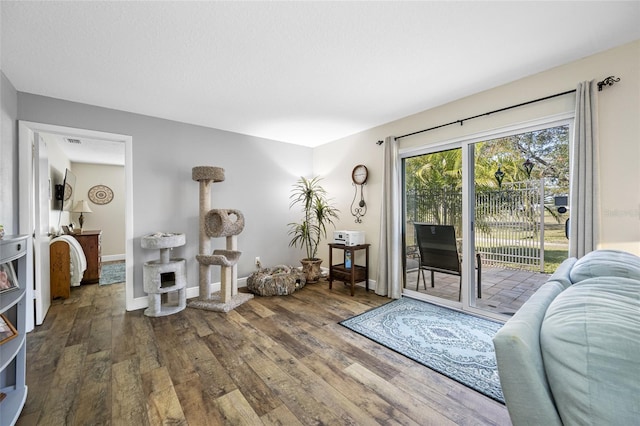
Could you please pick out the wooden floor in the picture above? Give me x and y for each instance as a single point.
(272, 361)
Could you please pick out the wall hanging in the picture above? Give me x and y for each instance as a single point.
(359, 177)
(100, 194)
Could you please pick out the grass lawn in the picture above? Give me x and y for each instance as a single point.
(553, 259)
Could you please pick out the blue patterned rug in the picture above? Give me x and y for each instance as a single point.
(112, 273)
(450, 342)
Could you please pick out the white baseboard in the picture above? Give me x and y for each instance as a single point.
(112, 257)
(192, 292)
(139, 303)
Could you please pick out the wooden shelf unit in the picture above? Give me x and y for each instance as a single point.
(354, 274)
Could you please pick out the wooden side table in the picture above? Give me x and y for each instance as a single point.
(90, 241)
(354, 274)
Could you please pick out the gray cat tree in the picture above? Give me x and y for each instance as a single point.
(217, 223)
(164, 279)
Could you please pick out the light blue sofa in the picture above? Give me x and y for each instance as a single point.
(571, 354)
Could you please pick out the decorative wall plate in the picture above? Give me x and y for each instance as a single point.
(100, 194)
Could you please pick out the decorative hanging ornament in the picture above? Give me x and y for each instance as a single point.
(528, 166)
(499, 175)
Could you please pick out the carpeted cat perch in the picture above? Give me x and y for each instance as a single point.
(217, 223)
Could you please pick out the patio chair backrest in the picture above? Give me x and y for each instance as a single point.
(438, 247)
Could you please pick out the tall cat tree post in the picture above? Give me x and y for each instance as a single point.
(217, 223)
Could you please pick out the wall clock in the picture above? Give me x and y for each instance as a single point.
(360, 174)
(359, 177)
(100, 194)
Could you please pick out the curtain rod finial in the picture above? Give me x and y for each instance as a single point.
(609, 81)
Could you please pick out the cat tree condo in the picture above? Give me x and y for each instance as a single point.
(165, 279)
(217, 223)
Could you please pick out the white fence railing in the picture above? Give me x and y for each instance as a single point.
(509, 231)
(510, 226)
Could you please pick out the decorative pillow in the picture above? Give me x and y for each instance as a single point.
(606, 263)
(590, 343)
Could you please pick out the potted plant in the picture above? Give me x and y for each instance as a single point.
(318, 214)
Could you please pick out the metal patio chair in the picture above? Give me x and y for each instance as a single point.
(439, 253)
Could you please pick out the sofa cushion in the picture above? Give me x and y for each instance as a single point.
(520, 365)
(602, 263)
(590, 343)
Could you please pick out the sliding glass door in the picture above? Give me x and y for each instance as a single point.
(521, 187)
(433, 224)
(498, 201)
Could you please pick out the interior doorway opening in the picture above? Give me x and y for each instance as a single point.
(28, 133)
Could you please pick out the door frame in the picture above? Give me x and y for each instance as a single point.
(41, 209)
(26, 130)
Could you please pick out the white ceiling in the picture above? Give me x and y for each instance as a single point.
(300, 72)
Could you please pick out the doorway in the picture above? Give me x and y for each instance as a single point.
(28, 133)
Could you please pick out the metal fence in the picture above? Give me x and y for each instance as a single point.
(509, 225)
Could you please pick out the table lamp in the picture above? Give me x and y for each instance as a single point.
(81, 207)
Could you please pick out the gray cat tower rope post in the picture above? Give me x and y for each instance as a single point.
(217, 223)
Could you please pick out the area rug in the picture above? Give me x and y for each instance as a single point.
(112, 273)
(450, 342)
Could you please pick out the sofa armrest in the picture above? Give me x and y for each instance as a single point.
(520, 366)
(563, 273)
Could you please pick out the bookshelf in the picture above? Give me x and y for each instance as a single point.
(15, 260)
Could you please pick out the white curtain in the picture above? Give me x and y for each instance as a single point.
(584, 192)
(390, 255)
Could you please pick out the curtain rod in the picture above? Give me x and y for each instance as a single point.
(609, 81)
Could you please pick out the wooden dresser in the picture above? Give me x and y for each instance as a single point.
(90, 241)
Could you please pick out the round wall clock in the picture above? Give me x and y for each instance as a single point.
(359, 174)
(100, 194)
(359, 177)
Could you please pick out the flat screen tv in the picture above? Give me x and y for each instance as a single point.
(66, 191)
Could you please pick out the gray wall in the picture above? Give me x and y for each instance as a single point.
(8, 156)
(259, 175)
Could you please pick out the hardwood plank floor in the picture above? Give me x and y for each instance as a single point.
(272, 361)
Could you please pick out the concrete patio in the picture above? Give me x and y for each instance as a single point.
(503, 290)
